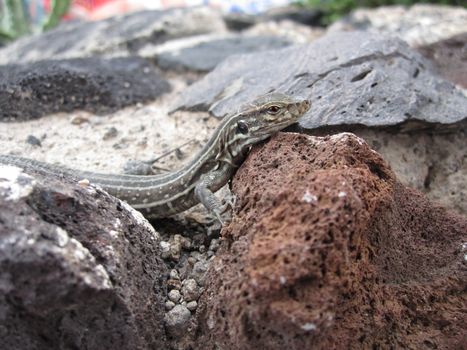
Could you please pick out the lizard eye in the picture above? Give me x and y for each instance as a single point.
(242, 127)
(273, 109)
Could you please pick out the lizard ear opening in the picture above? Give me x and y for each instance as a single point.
(242, 127)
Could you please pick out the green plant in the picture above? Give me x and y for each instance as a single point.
(15, 20)
(334, 9)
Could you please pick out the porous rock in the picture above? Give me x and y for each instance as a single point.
(78, 268)
(116, 36)
(204, 56)
(94, 84)
(449, 57)
(350, 78)
(420, 24)
(327, 250)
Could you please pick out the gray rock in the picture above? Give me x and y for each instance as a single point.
(199, 271)
(174, 295)
(169, 305)
(78, 268)
(110, 133)
(192, 305)
(190, 290)
(174, 274)
(350, 78)
(33, 141)
(205, 56)
(434, 163)
(124, 35)
(94, 84)
(421, 24)
(177, 321)
(449, 57)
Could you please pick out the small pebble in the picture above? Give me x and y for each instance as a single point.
(169, 305)
(202, 248)
(186, 243)
(199, 271)
(214, 245)
(190, 290)
(191, 260)
(165, 249)
(177, 320)
(84, 183)
(34, 141)
(192, 305)
(174, 274)
(175, 251)
(79, 119)
(174, 295)
(174, 284)
(110, 133)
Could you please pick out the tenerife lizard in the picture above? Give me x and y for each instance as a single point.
(163, 195)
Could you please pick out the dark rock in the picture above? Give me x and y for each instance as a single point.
(79, 269)
(239, 21)
(327, 250)
(94, 84)
(420, 24)
(110, 133)
(450, 58)
(350, 78)
(205, 56)
(33, 141)
(299, 14)
(122, 35)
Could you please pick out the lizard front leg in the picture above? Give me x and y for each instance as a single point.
(206, 197)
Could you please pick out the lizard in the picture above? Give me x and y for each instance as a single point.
(163, 195)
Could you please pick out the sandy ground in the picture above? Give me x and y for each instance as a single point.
(81, 139)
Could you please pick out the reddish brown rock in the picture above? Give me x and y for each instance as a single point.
(327, 250)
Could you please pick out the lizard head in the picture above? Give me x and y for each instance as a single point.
(268, 114)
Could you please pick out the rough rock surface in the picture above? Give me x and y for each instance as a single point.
(350, 78)
(205, 56)
(328, 250)
(434, 163)
(94, 84)
(116, 36)
(449, 57)
(421, 24)
(78, 268)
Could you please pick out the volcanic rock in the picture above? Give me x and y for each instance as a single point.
(327, 250)
(116, 36)
(353, 78)
(204, 56)
(94, 84)
(78, 268)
